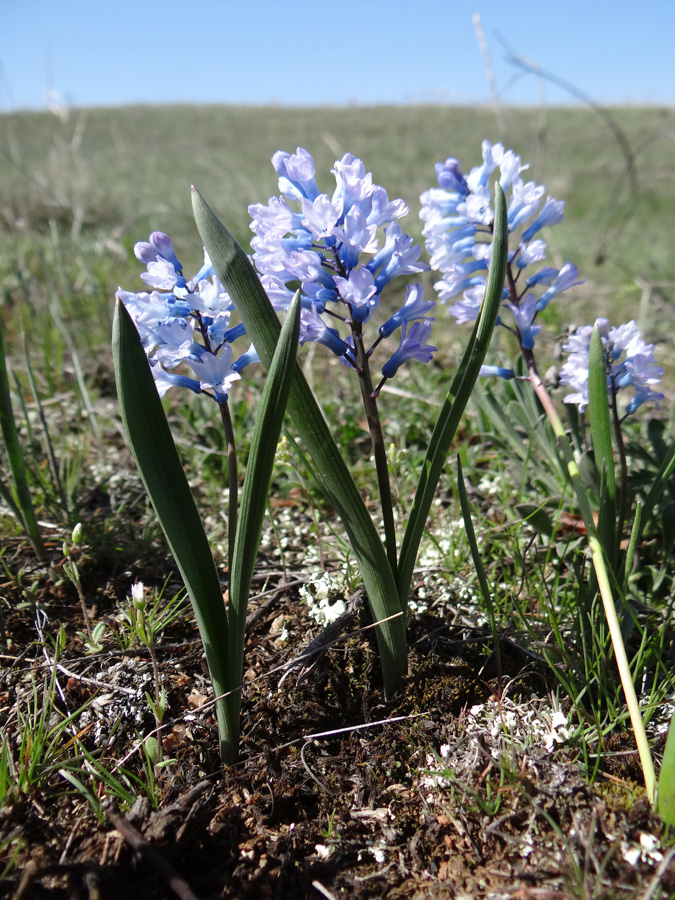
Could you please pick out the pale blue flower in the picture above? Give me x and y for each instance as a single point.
(415, 307)
(523, 316)
(467, 309)
(413, 346)
(451, 179)
(165, 380)
(164, 269)
(331, 246)
(458, 219)
(188, 324)
(215, 373)
(159, 246)
(405, 260)
(630, 360)
(358, 292)
(354, 184)
(296, 173)
(246, 359)
(551, 214)
(533, 252)
(565, 279)
(313, 328)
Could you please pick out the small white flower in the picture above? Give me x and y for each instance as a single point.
(137, 594)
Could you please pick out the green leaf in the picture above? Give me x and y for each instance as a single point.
(478, 564)
(266, 433)
(659, 485)
(15, 456)
(241, 282)
(665, 804)
(601, 434)
(537, 517)
(162, 472)
(456, 401)
(668, 529)
(632, 544)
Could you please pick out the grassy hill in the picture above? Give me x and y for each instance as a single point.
(103, 178)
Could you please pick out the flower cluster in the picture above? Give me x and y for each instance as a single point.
(630, 363)
(309, 241)
(458, 219)
(182, 321)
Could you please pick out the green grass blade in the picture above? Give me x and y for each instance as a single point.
(237, 275)
(47, 441)
(160, 468)
(264, 441)
(601, 434)
(15, 455)
(455, 402)
(658, 487)
(632, 544)
(480, 569)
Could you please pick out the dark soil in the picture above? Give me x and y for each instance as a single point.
(450, 790)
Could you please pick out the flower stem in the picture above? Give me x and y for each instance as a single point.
(604, 586)
(378, 446)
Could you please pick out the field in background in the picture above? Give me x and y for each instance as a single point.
(76, 194)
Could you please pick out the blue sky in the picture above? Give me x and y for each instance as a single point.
(350, 51)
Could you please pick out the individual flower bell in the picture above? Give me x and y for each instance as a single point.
(185, 323)
(630, 363)
(413, 346)
(458, 219)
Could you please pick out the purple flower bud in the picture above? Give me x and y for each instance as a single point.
(450, 176)
(164, 247)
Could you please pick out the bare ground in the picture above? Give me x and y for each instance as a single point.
(454, 789)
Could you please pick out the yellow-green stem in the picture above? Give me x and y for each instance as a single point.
(604, 586)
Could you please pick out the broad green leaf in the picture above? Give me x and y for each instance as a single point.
(456, 401)
(665, 804)
(15, 456)
(241, 282)
(160, 468)
(264, 441)
(601, 434)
